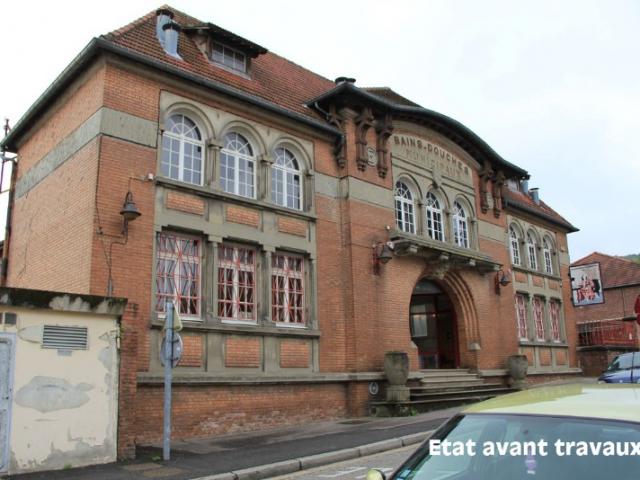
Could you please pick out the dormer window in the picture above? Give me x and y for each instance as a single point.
(229, 57)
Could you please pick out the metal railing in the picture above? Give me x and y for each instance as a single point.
(607, 332)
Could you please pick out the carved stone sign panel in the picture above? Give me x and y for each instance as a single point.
(431, 156)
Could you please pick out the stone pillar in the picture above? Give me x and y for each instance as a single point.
(264, 178)
(212, 168)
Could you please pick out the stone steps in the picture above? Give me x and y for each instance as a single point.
(439, 389)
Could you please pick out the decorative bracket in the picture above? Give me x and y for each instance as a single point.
(485, 175)
(340, 145)
(384, 129)
(364, 122)
(496, 191)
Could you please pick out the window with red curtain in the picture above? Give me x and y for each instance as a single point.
(538, 317)
(178, 274)
(287, 289)
(554, 317)
(236, 284)
(521, 316)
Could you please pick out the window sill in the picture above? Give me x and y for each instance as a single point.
(245, 329)
(520, 268)
(539, 343)
(210, 192)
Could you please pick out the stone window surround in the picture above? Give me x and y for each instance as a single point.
(263, 153)
(447, 196)
(548, 341)
(209, 292)
(540, 234)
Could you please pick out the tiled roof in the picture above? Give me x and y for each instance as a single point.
(525, 202)
(273, 78)
(615, 271)
(391, 95)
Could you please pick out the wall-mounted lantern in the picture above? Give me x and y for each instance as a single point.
(129, 212)
(382, 253)
(503, 278)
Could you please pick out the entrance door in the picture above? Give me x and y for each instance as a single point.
(433, 326)
(6, 385)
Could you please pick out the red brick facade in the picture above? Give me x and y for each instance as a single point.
(67, 234)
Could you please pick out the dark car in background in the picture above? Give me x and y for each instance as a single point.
(624, 368)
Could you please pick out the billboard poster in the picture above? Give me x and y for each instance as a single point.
(586, 285)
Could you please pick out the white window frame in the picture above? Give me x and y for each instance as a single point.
(182, 140)
(521, 316)
(289, 295)
(404, 208)
(460, 224)
(514, 246)
(236, 156)
(229, 58)
(531, 251)
(435, 217)
(177, 256)
(548, 258)
(287, 172)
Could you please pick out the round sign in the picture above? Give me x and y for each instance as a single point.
(176, 349)
(374, 388)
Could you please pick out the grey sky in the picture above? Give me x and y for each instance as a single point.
(552, 86)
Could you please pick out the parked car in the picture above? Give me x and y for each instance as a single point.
(624, 368)
(556, 415)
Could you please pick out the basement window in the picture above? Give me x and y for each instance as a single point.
(64, 338)
(228, 57)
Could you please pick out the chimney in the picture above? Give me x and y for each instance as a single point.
(164, 16)
(340, 80)
(525, 186)
(171, 35)
(535, 196)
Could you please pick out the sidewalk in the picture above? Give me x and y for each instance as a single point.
(263, 454)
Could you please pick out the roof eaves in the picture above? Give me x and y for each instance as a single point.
(97, 44)
(545, 216)
(421, 112)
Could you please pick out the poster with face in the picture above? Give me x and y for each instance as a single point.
(586, 285)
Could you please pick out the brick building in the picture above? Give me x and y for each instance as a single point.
(271, 199)
(609, 328)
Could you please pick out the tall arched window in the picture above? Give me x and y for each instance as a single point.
(460, 226)
(182, 150)
(286, 189)
(546, 251)
(237, 166)
(514, 246)
(531, 251)
(404, 208)
(435, 226)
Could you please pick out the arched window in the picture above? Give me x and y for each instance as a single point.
(182, 150)
(435, 227)
(514, 246)
(404, 208)
(286, 189)
(460, 226)
(531, 251)
(237, 166)
(546, 251)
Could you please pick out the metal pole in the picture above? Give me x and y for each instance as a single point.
(168, 366)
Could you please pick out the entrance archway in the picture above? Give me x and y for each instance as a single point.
(432, 320)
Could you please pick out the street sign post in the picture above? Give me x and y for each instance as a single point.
(168, 366)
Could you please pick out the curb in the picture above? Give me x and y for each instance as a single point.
(312, 461)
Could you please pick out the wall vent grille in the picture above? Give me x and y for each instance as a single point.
(64, 338)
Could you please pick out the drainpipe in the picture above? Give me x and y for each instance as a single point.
(7, 230)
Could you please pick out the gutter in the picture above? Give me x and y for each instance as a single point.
(475, 140)
(100, 45)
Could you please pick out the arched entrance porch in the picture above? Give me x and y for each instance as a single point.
(433, 324)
